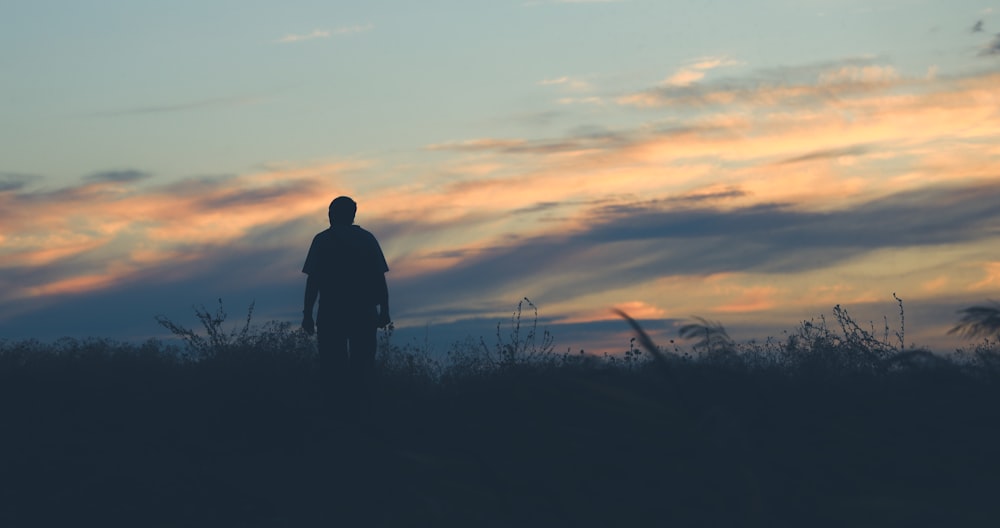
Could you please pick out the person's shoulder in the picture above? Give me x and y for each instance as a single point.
(322, 235)
(362, 232)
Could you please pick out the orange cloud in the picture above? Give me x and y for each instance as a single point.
(753, 299)
(32, 255)
(130, 226)
(635, 309)
(844, 150)
(866, 132)
(72, 285)
(903, 124)
(936, 285)
(991, 281)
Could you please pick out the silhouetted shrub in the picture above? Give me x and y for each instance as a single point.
(831, 425)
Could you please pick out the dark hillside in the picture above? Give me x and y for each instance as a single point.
(97, 433)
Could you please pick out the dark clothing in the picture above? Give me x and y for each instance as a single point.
(349, 264)
(347, 365)
(348, 267)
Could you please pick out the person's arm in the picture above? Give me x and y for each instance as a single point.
(382, 294)
(312, 291)
(379, 284)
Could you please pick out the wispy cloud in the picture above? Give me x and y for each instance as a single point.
(728, 201)
(977, 27)
(834, 153)
(10, 181)
(58, 232)
(810, 182)
(536, 119)
(118, 176)
(696, 70)
(623, 250)
(871, 75)
(350, 30)
(991, 48)
(567, 82)
(575, 85)
(325, 33)
(591, 100)
(478, 144)
(788, 86)
(577, 143)
(315, 34)
(217, 102)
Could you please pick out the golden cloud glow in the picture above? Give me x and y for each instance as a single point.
(635, 309)
(873, 74)
(73, 285)
(991, 282)
(131, 227)
(841, 139)
(874, 134)
(754, 299)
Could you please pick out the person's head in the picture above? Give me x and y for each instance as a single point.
(342, 211)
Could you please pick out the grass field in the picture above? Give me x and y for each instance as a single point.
(830, 427)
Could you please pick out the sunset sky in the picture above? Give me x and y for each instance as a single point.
(752, 162)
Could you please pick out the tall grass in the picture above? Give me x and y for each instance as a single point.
(834, 424)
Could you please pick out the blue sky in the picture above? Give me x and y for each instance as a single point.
(754, 162)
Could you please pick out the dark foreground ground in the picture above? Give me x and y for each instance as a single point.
(96, 435)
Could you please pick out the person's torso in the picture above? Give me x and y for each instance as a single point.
(347, 267)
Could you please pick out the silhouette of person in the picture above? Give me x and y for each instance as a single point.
(346, 269)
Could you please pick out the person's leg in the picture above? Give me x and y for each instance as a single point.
(334, 364)
(363, 345)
